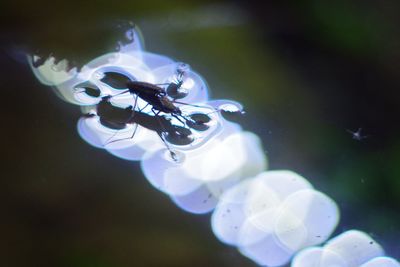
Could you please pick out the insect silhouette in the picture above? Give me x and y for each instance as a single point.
(161, 100)
(118, 118)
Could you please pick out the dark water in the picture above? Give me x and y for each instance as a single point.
(306, 74)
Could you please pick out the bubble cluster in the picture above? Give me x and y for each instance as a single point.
(273, 215)
(352, 248)
(191, 150)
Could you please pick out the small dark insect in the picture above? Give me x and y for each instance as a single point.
(154, 95)
(357, 134)
(157, 97)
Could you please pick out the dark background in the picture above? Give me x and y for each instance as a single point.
(306, 72)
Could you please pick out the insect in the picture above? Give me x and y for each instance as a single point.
(357, 135)
(163, 100)
(158, 97)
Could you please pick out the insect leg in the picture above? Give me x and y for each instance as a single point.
(133, 109)
(192, 105)
(133, 134)
(176, 117)
(123, 92)
(172, 153)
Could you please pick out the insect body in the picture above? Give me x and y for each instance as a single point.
(156, 97)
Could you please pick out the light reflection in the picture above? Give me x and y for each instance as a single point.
(268, 215)
(307, 218)
(351, 248)
(207, 171)
(381, 262)
(276, 211)
(49, 73)
(193, 83)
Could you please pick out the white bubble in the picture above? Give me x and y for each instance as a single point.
(283, 182)
(261, 196)
(154, 165)
(290, 230)
(258, 227)
(381, 262)
(307, 218)
(255, 202)
(355, 247)
(318, 257)
(267, 252)
(226, 222)
(198, 201)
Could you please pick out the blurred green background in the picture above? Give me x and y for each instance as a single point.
(306, 72)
